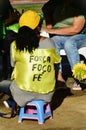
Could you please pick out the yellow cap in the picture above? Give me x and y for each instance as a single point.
(29, 18)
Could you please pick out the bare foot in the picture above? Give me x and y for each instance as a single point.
(59, 77)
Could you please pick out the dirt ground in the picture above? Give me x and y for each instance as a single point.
(69, 114)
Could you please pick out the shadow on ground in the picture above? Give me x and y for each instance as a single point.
(59, 96)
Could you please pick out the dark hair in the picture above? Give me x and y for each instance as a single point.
(5, 8)
(38, 28)
(27, 39)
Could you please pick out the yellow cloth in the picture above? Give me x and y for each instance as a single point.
(30, 19)
(35, 72)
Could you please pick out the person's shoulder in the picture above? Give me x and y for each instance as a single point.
(47, 43)
(13, 44)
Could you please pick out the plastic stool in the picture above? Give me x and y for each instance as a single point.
(37, 109)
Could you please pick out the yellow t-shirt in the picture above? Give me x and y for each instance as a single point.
(35, 71)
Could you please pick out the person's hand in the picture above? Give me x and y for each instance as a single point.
(44, 34)
(13, 17)
(44, 30)
(49, 26)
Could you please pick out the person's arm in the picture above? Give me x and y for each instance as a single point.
(13, 17)
(12, 48)
(76, 28)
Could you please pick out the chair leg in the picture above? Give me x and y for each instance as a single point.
(40, 111)
(21, 113)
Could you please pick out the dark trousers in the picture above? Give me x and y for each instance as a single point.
(5, 54)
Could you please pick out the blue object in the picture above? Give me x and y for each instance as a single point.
(10, 103)
(37, 110)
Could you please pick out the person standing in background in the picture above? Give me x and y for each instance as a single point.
(8, 16)
(5, 10)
